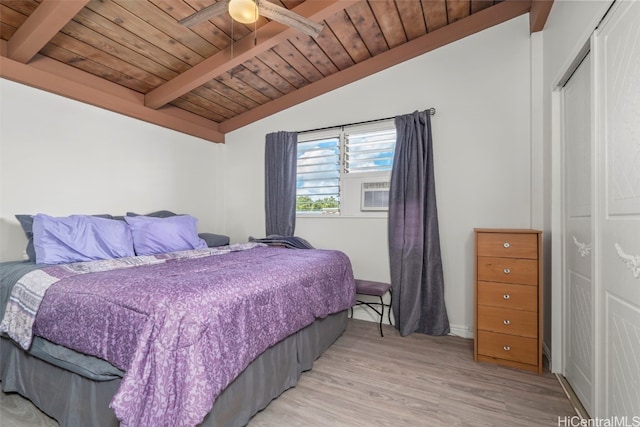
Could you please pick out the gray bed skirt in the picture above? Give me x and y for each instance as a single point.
(74, 400)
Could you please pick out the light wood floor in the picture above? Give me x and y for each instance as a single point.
(366, 380)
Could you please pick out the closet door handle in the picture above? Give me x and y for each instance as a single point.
(506, 348)
(506, 245)
(506, 296)
(506, 322)
(507, 270)
(633, 262)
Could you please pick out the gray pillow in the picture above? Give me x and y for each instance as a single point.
(214, 240)
(26, 222)
(156, 214)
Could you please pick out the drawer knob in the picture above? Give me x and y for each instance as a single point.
(506, 244)
(506, 296)
(507, 270)
(506, 348)
(507, 322)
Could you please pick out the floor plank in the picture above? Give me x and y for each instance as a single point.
(366, 380)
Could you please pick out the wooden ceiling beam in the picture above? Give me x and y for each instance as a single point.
(268, 36)
(477, 22)
(539, 13)
(55, 77)
(40, 27)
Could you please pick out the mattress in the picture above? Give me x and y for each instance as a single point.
(255, 288)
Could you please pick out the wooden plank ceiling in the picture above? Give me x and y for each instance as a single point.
(132, 56)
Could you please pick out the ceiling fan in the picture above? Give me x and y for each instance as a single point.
(248, 12)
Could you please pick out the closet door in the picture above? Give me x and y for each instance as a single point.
(578, 254)
(617, 58)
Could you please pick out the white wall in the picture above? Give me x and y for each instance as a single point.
(480, 87)
(567, 31)
(60, 157)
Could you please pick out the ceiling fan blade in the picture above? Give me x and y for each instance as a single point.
(291, 19)
(205, 14)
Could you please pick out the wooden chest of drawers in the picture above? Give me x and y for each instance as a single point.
(508, 297)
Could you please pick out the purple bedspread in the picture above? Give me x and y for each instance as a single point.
(184, 330)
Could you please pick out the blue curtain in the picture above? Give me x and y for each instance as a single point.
(281, 151)
(414, 240)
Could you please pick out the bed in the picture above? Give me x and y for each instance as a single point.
(197, 337)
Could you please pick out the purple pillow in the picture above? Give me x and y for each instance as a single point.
(162, 235)
(79, 238)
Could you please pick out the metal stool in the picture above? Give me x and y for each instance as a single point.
(376, 289)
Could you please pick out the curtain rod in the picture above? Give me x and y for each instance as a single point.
(432, 112)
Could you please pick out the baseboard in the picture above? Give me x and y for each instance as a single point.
(362, 312)
(461, 331)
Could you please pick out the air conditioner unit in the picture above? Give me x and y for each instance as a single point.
(375, 196)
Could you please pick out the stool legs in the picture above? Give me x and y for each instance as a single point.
(372, 306)
(390, 305)
(379, 312)
(381, 316)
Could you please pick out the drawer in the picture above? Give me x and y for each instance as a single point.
(506, 295)
(508, 270)
(508, 245)
(508, 321)
(509, 347)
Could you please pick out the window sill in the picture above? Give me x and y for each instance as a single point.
(333, 216)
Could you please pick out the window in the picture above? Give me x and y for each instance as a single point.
(318, 176)
(370, 151)
(330, 158)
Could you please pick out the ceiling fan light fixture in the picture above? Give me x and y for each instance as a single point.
(244, 11)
